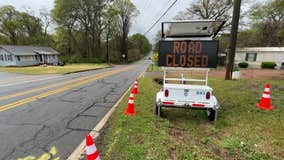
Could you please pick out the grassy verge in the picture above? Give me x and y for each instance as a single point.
(70, 68)
(154, 67)
(242, 131)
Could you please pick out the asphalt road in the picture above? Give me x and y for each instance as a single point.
(46, 117)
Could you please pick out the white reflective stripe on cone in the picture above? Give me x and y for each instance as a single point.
(91, 149)
(265, 95)
(131, 95)
(267, 90)
(98, 158)
(135, 86)
(131, 101)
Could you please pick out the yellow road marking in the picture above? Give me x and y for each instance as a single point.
(67, 87)
(53, 151)
(44, 88)
(41, 88)
(27, 158)
(44, 156)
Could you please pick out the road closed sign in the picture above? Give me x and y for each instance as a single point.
(199, 54)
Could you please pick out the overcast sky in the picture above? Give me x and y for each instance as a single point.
(150, 11)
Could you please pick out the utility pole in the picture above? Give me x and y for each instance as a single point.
(233, 41)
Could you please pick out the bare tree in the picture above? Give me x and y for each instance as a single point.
(46, 19)
(208, 9)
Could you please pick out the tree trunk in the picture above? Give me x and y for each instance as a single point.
(124, 44)
(107, 47)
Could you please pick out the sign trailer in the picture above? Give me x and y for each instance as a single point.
(188, 46)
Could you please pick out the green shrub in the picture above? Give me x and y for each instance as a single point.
(79, 59)
(243, 65)
(236, 68)
(270, 65)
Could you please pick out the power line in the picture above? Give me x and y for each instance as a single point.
(158, 13)
(162, 8)
(146, 5)
(161, 17)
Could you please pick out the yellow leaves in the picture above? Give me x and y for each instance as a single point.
(46, 156)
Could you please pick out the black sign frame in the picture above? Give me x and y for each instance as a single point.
(193, 54)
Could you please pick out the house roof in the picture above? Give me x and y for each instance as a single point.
(28, 50)
(262, 49)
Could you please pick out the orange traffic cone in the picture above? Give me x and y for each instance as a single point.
(136, 82)
(264, 103)
(135, 89)
(91, 150)
(130, 110)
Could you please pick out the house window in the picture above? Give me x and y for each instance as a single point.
(19, 58)
(10, 58)
(1, 57)
(251, 57)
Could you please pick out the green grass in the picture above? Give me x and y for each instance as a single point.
(154, 67)
(242, 130)
(70, 68)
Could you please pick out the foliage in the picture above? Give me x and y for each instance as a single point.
(126, 11)
(79, 25)
(110, 29)
(77, 58)
(269, 65)
(156, 41)
(21, 28)
(140, 42)
(266, 29)
(92, 30)
(249, 38)
(243, 65)
(268, 23)
(224, 43)
(236, 68)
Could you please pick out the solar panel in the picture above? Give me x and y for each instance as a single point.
(197, 28)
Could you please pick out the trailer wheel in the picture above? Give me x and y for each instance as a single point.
(158, 110)
(211, 113)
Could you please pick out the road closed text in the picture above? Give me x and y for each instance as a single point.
(200, 54)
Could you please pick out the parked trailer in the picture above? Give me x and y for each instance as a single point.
(179, 93)
(186, 47)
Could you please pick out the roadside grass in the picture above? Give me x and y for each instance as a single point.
(242, 130)
(69, 68)
(154, 67)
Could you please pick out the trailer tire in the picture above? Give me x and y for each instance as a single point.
(211, 113)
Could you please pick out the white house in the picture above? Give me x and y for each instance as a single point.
(254, 56)
(11, 55)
